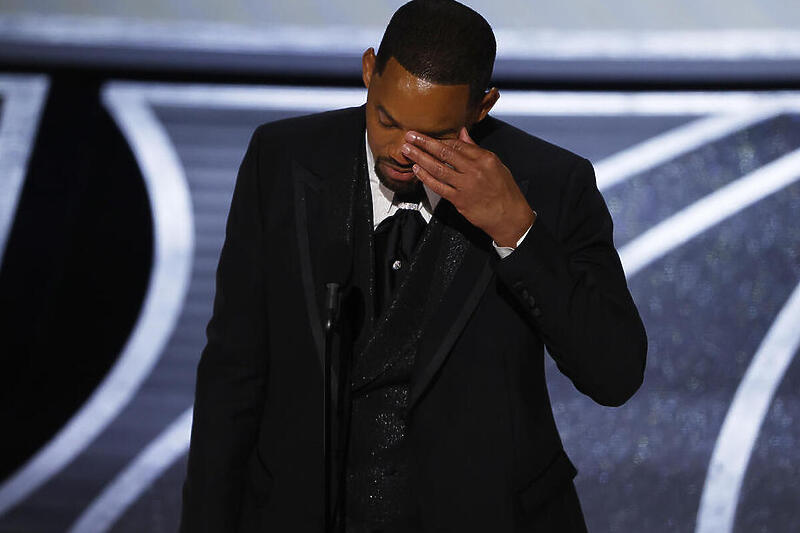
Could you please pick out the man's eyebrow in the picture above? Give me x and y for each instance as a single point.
(439, 133)
(388, 115)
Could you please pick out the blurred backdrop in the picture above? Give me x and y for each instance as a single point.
(122, 125)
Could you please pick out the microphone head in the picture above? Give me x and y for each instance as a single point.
(339, 262)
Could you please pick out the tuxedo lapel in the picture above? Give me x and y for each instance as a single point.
(325, 185)
(306, 196)
(467, 257)
(473, 273)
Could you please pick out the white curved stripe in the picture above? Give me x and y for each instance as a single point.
(173, 239)
(123, 491)
(671, 144)
(22, 103)
(709, 210)
(744, 418)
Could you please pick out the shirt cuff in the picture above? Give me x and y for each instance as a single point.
(505, 251)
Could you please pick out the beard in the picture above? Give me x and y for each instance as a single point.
(398, 187)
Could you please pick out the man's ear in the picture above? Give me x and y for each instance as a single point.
(486, 104)
(367, 66)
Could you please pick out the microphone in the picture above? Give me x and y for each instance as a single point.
(337, 253)
(339, 257)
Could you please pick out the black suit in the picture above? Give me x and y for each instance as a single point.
(488, 455)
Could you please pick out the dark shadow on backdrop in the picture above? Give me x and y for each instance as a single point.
(75, 269)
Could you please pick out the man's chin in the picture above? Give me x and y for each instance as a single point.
(395, 185)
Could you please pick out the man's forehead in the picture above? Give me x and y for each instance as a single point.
(408, 98)
(397, 78)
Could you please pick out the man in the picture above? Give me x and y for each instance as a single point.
(470, 246)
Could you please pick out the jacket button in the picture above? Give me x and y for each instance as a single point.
(537, 312)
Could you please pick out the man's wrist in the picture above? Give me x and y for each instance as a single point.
(510, 239)
(505, 251)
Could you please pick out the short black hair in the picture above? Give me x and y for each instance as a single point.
(443, 42)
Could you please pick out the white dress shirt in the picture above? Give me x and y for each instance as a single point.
(383, 204)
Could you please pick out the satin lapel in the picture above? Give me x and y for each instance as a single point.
(468, 284)
(306, 196)
(324, 212)
(462, 297)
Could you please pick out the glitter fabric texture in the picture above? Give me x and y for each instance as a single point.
(379, 478)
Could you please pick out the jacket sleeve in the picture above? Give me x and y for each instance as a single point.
(573, 290)
(231, 374)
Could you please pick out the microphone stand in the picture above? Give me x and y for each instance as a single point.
(331, 323)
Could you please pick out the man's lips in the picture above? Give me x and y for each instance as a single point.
(397, 174)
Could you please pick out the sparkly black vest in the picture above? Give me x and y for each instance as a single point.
(379, 476)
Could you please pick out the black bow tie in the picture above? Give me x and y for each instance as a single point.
(396, 238)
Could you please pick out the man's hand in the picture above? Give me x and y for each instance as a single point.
(475, 181)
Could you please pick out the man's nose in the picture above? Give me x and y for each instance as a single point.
(397, 154)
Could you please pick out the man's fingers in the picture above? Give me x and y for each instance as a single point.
(435, 167)
(439, 187)
(448, 150)
(467, 149)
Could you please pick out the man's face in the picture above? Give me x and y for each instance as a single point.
(398, 101)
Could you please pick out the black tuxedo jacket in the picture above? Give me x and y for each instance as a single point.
(487, 453)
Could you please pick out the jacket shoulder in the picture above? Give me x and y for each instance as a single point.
(311, 128)
(518, 148)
